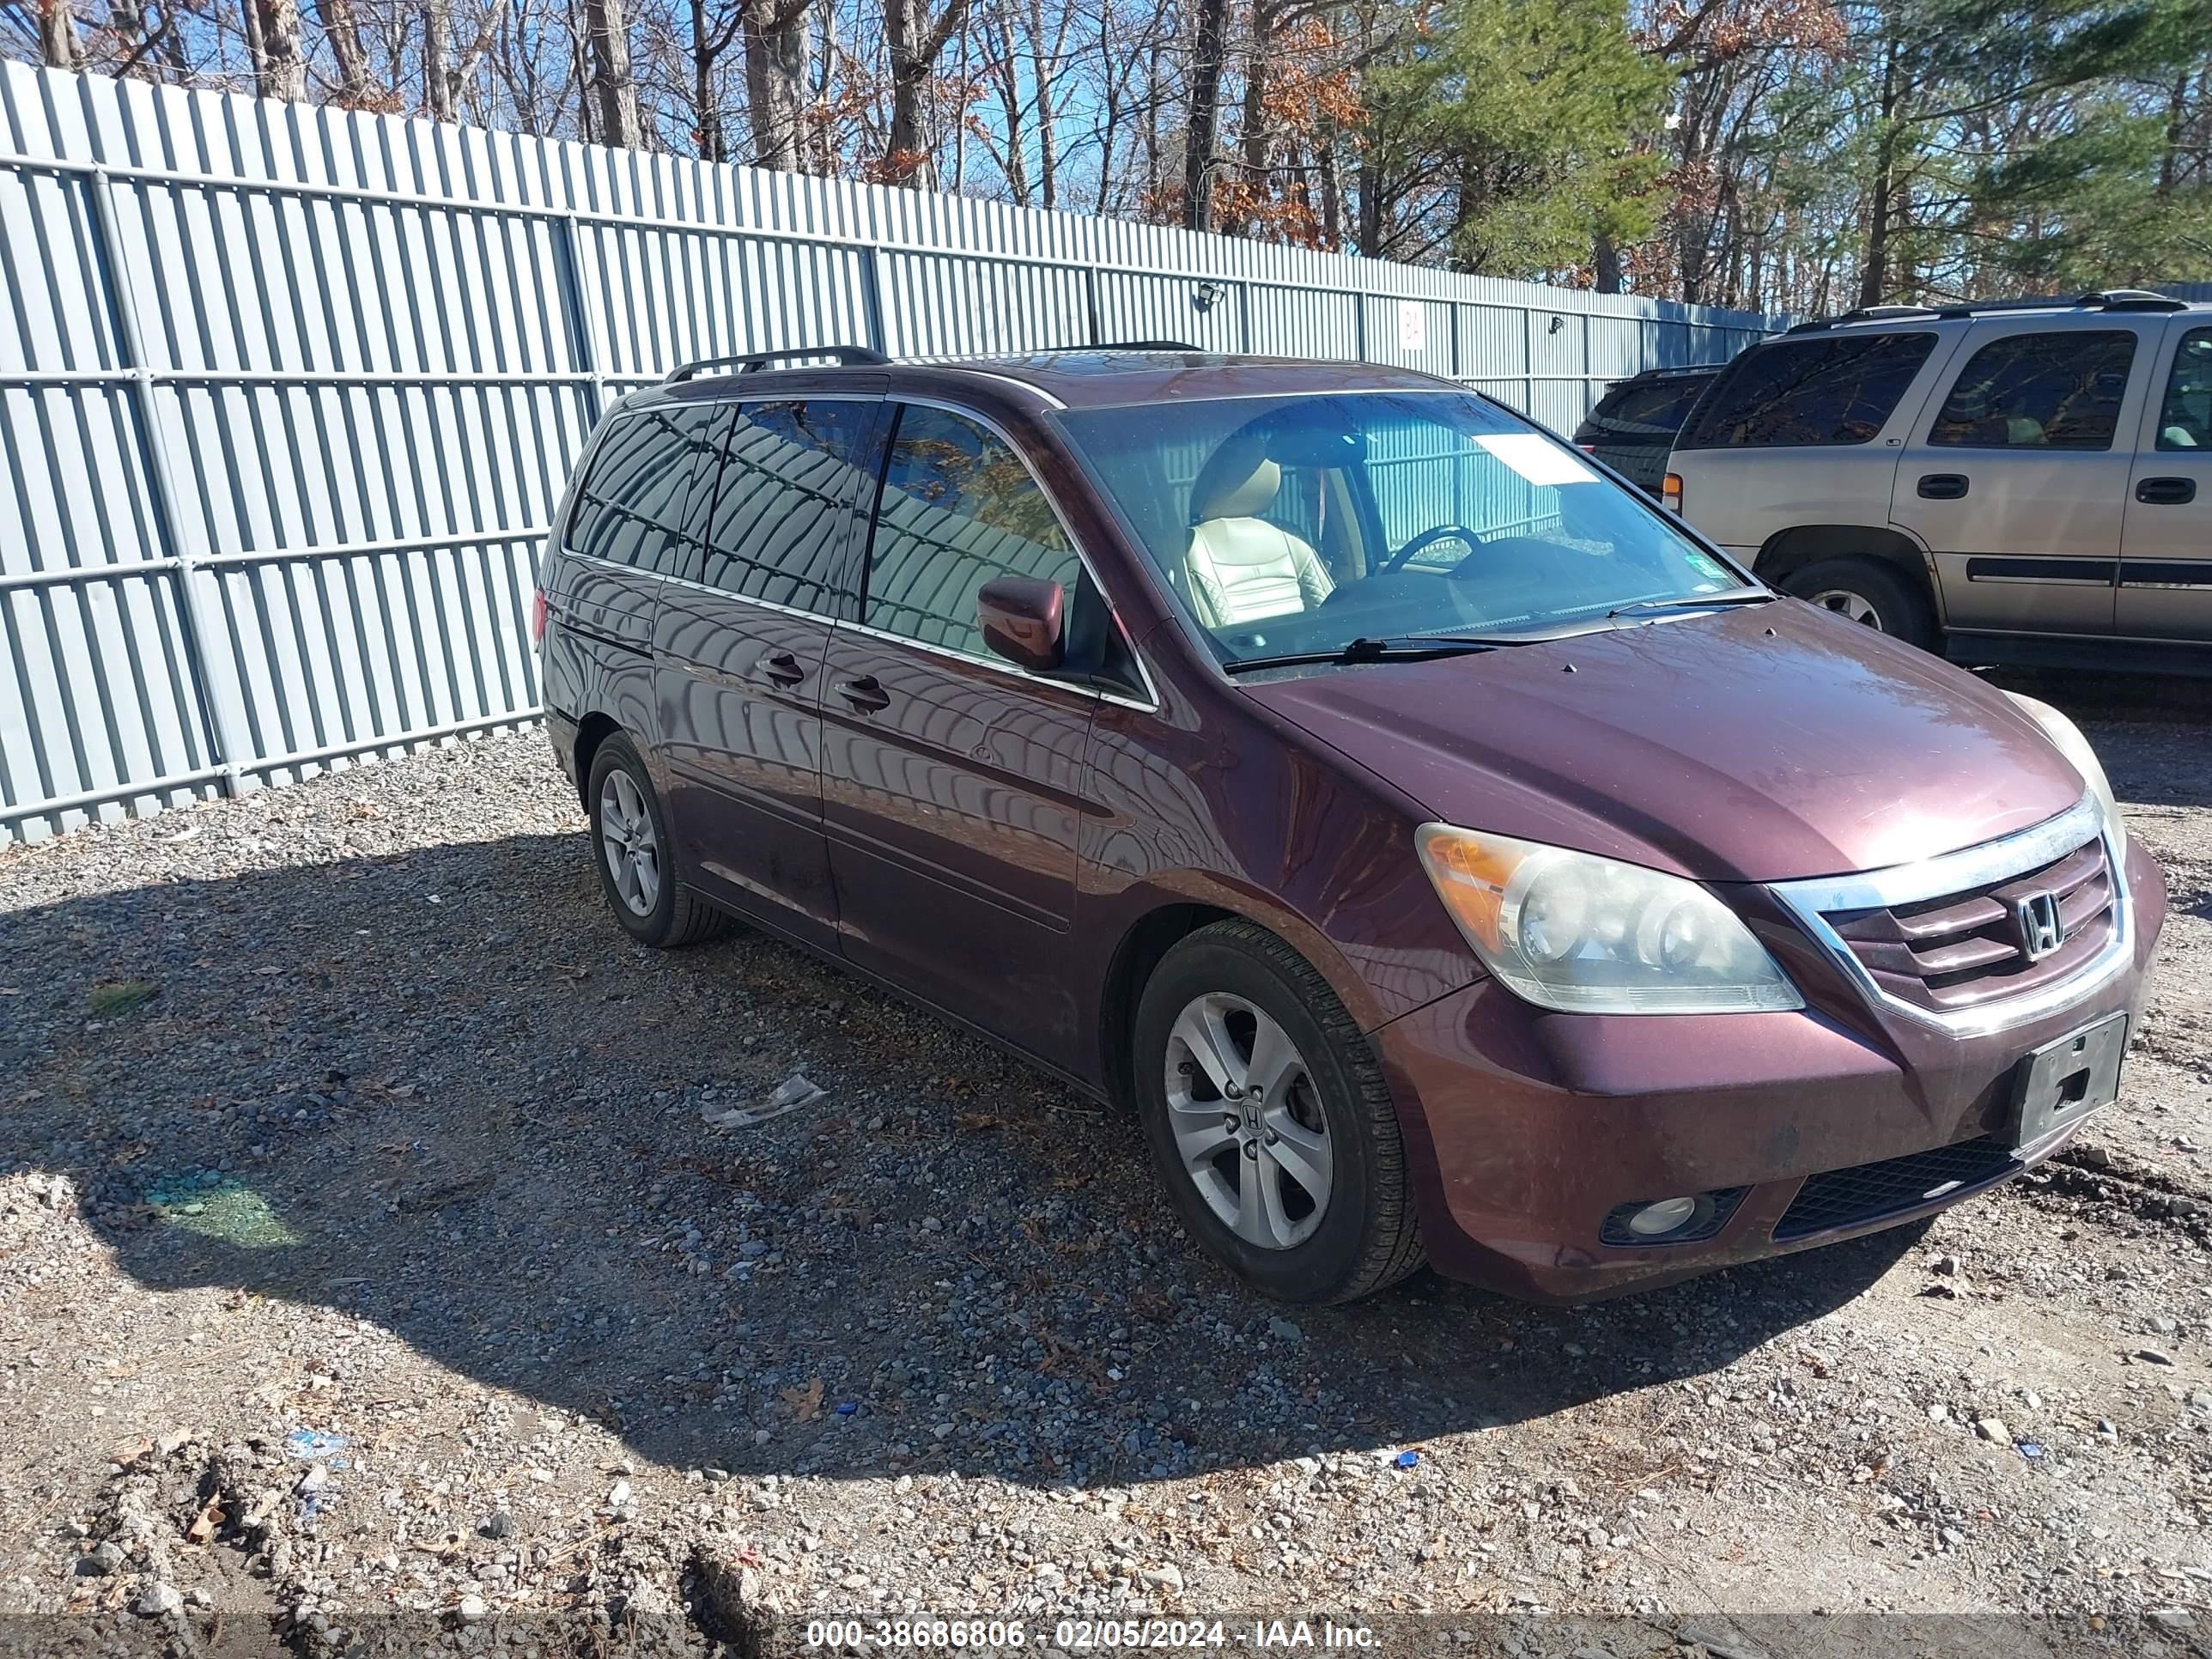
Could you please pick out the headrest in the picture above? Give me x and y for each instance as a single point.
(1237, 482)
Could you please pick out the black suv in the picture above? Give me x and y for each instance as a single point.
(1634, 424)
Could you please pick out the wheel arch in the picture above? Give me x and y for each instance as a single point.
(1143, 945)
(592, 731)
(1788, 551)
(1174, 913)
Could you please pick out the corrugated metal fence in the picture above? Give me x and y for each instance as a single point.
(287, 395)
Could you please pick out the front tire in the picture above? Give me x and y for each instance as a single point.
(634, 854)
(1270, 1121)
(1870, 592)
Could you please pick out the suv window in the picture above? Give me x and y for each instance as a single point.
(958, 507)
(1830, 389)
(1660, 405)
(2060, 390)
(631, 507)
(2185, 419)
(791, 474)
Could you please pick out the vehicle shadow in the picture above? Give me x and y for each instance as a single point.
(442, 1091)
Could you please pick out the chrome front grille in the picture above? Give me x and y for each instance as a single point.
(1959, 948)
(1983, 939)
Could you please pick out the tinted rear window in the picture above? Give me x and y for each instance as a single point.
(631, 507)
(1829, 389)
(1656, 407)
(793, 469)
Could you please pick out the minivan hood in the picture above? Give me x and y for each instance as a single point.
(1766, 743)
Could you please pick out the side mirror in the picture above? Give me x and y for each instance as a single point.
(1020, 620)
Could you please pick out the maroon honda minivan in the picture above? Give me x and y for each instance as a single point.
(1445, 854)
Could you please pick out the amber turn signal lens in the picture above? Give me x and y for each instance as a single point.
(1470, 876)
(1670, 492)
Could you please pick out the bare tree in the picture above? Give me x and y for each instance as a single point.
(446, 75)
(280, 62)
(1004, 69)
(1202, 128)
(341, 29)
(437, 58)
(778, 36)
(57, 42)
(711, 36)
(613, 88)
(914, 43)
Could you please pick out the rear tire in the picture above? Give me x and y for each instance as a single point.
(1232, 1006)
(1870, 592)
(634, 854)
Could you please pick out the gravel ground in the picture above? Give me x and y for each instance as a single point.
(370, 1275)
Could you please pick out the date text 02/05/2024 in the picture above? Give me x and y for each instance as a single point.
(994, 1636)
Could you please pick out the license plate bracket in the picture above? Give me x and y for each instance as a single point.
(2062, 1082)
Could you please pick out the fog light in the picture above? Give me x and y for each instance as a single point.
(1654, 1221)
(1690, 1219)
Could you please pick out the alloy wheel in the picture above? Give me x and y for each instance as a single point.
(1855, 606)
(626, 838)
(1249, 1130)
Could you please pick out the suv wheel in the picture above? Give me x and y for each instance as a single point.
(1869, 592)
(634, 854)
(1270, 1121)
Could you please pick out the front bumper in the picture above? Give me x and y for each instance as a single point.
(1526, 1129)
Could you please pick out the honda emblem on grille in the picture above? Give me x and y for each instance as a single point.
(2042, 929)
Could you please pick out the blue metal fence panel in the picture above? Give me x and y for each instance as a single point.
(287, 395)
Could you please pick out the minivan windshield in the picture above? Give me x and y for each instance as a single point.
(1356, 527)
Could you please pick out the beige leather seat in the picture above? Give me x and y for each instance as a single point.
(1244, 570)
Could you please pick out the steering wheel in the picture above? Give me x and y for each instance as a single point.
(1443, 532)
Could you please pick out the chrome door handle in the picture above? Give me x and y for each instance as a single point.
(866, 693)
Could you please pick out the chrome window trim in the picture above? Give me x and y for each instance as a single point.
(1952, 872)
(1012, 671)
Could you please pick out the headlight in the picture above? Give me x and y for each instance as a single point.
(2066, 737)
(1590, 935)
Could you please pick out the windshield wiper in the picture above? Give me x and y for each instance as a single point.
(1404, 647)
(1693, 602)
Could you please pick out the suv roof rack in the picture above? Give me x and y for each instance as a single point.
(2114, 299)
(2132, 298)
(847, 356)
(1863, 314)
(1140, 345)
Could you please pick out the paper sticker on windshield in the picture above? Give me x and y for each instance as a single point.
(1706, 565)
(1536, 457)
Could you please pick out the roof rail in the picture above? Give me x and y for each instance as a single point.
(1984, 307)
(1863, 314)
(2132, 298)
(2115, 299)
(1141, 345)
(847, 356)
